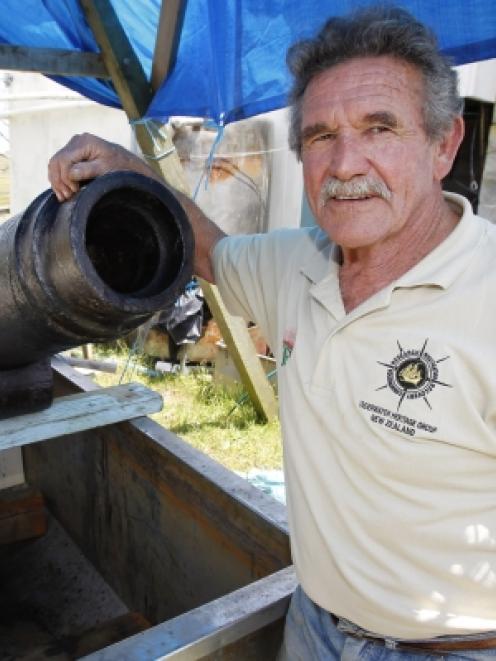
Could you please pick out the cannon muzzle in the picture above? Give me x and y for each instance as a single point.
(88, 270)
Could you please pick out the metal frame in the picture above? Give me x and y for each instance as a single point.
(211, 627)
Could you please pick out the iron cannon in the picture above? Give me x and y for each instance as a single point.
(90, 269)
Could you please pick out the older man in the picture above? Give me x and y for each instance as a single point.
(383, 324)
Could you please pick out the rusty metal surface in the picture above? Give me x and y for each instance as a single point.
(201, 553)
(200, 530)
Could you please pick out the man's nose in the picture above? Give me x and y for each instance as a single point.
(347, 158)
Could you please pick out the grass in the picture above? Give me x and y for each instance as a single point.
(208, 416)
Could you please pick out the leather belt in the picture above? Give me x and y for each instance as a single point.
(448, 645)
(439, 645)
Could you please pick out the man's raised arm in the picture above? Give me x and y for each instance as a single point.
(86, 156)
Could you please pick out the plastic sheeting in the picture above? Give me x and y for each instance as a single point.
(231, 56)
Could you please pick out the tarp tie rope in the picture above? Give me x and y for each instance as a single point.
(207, 172)
(159, 136)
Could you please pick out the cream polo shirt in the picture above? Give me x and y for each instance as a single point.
(388, 416)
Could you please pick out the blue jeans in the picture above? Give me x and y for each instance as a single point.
(311, 635)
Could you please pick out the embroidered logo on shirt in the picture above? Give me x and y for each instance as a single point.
(288, 341)
(413, 374)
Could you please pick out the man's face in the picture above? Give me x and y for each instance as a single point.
(362, 124)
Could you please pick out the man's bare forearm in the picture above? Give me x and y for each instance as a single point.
(207, 234)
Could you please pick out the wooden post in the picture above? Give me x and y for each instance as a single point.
(166, 42)
(235, 333)
(135, 93)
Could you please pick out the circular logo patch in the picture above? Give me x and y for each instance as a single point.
(413, 374)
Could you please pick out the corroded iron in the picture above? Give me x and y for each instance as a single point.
(88, 270)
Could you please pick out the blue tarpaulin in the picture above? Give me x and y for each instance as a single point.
(61, 24)
(231, 56)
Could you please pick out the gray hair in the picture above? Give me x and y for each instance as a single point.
(372, 32)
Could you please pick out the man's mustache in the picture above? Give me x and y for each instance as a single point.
(358, 187)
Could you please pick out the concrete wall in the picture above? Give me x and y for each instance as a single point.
(43, 116)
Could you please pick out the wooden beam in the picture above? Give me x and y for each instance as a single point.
(130, 82)
(125, 69)
(168, 33)
(240, 345)
(75, 413)
(53, 61)
(136, 94)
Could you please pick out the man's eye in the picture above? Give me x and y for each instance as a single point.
(319, 139)
(376, 130)
(324, 136)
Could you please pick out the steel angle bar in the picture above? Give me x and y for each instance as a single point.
(210, 627)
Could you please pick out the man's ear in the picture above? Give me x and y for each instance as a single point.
(447, 148)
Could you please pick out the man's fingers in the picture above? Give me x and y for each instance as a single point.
(84, 170)
(64, 172)
(61, 187)
(86, 157)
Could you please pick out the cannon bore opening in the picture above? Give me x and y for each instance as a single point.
(133, 243)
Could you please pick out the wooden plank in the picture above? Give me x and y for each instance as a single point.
(134, 90)
(53, 61)
(136, 93)
(75, 413)
(121, 61)
(169, 29)
(22, 514)
(242, 350)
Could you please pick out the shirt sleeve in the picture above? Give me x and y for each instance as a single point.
(249, 272)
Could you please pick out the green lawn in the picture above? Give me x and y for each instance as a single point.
(210, 418)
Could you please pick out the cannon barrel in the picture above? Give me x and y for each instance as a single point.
(90, 269)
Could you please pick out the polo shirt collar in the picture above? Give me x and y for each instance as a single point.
(449, 259)
(439, 268)
(323, 273)
(325, 259)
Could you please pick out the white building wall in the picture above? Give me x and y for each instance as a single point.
(477, 80)
(43, 116)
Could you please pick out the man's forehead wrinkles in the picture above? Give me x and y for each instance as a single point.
(354, 103)
(359, 77)
(388, 76)
(351, 89)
